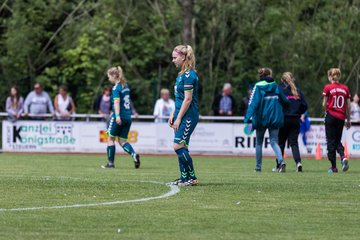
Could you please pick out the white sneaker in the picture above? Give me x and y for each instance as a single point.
(282, 168)
(175, 182)
(345, 164)
(190, 182)
(299, 167)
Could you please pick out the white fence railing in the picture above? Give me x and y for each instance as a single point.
(88, 117)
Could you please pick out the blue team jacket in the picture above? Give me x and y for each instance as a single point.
(266, 105)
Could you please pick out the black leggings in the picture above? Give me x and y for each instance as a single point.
(290, 132)
(333, 130)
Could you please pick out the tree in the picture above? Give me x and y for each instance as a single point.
(75, 42)
(187, 8)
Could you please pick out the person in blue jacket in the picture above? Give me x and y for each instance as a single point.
(266, 112)
(291, 129)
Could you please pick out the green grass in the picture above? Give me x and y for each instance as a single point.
(231, 202)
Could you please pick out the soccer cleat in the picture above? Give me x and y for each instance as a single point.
(332, 170)
(193, 182)
(299, 167)
(190, 182)
(137, 160)
(176, 182)
(282, 168)
(108, 166)
(345, 164)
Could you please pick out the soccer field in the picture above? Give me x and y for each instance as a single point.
(231, 201)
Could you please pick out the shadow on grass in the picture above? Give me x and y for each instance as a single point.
(207, 184)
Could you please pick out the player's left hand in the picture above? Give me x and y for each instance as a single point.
(176, 125)
(118, 120)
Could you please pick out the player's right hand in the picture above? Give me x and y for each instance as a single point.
(347, 124)
(118, 120)
(171, 121)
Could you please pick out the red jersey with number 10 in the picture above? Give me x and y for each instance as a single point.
(337, 95)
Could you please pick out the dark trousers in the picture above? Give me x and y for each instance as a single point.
(333, 130)
(290, 132)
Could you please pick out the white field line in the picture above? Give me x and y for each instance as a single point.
(173, 190)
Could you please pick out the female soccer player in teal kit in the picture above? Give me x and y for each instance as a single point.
(186, 115)
(120, 120)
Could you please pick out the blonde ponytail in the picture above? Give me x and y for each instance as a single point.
(188, 52)
(334, 74)
(290, 80)
(118, 75)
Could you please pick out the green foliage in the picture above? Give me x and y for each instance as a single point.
(75, 42)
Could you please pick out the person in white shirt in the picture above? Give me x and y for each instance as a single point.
(163, 106)
(64, 105)
(38, 102)
(355, 109)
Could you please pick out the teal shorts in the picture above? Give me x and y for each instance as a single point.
(116, 130)
(186, 128)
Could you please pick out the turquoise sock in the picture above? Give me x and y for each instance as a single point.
(183, 174)
(186, 160)
(182, 167)
(128, 148)
(111, 154)
(191, 165)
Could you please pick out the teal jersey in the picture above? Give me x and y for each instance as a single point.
(122, 94)
(186, 82)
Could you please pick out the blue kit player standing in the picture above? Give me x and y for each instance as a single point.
(186, 115)
(120, 120)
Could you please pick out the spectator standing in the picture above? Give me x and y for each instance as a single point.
(64, 104)
(103, 104)
(355, 109)
(38, 102)
(224, 104)
(133, 110)
(245, 102)
(163, 106)
(14, 104)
